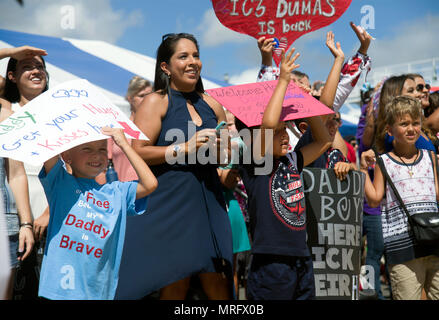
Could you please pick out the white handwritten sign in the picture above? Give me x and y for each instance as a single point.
(59, 119)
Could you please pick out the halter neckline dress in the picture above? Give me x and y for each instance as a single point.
(186, 226)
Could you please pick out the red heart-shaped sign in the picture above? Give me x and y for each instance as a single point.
(285, 20)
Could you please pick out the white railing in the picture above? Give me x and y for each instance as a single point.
(428, 68)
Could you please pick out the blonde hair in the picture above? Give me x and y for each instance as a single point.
(395, 109)
(137, 84)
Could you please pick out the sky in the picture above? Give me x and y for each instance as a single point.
(405, 30)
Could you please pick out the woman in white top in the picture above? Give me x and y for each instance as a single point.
(26, 78)
(14, 201)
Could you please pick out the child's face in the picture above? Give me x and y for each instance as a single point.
(88, 160)
(332, 124)
(304, 81)
(405, 130)
(280, 140)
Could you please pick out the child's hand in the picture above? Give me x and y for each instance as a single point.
(367, 159)
(288, 64)
(335, 48)
(364, 37)
(266, 48)
(341, 169)
(117, 135)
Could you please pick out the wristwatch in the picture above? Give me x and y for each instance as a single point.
(175, 150)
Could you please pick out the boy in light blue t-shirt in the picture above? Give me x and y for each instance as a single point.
(87, 220)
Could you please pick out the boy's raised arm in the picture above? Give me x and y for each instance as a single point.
(330, 88)
(322, 140)
(353, 68)
(49, 164)
(147, 181)
(272, 112)
(331, 85)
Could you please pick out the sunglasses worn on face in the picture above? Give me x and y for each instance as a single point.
(420, 87)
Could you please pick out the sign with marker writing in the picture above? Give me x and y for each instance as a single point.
(284, 20)
(59, 119)
(247, 102)
(334, 211)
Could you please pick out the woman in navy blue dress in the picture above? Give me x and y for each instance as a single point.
(186, 231)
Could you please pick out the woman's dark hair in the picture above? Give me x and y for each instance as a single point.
(11, 90)
(164, 54)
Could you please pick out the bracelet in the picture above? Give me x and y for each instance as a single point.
(27, 225)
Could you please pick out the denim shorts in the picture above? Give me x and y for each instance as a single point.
(13, 247)
(13, 232)
(275, 277)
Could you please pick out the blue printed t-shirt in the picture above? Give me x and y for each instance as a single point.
(85, 235)
(277, 207)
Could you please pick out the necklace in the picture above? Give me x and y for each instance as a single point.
(410, 169)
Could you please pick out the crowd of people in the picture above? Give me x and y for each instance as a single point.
(195, 222)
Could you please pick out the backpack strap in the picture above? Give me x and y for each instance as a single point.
(434, 163)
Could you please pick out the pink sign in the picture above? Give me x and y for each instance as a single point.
(248, 102)
(285, 20)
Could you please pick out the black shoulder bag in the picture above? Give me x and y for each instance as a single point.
(425, 225)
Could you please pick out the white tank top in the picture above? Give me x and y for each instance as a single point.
(419, 195)
(37, 197)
